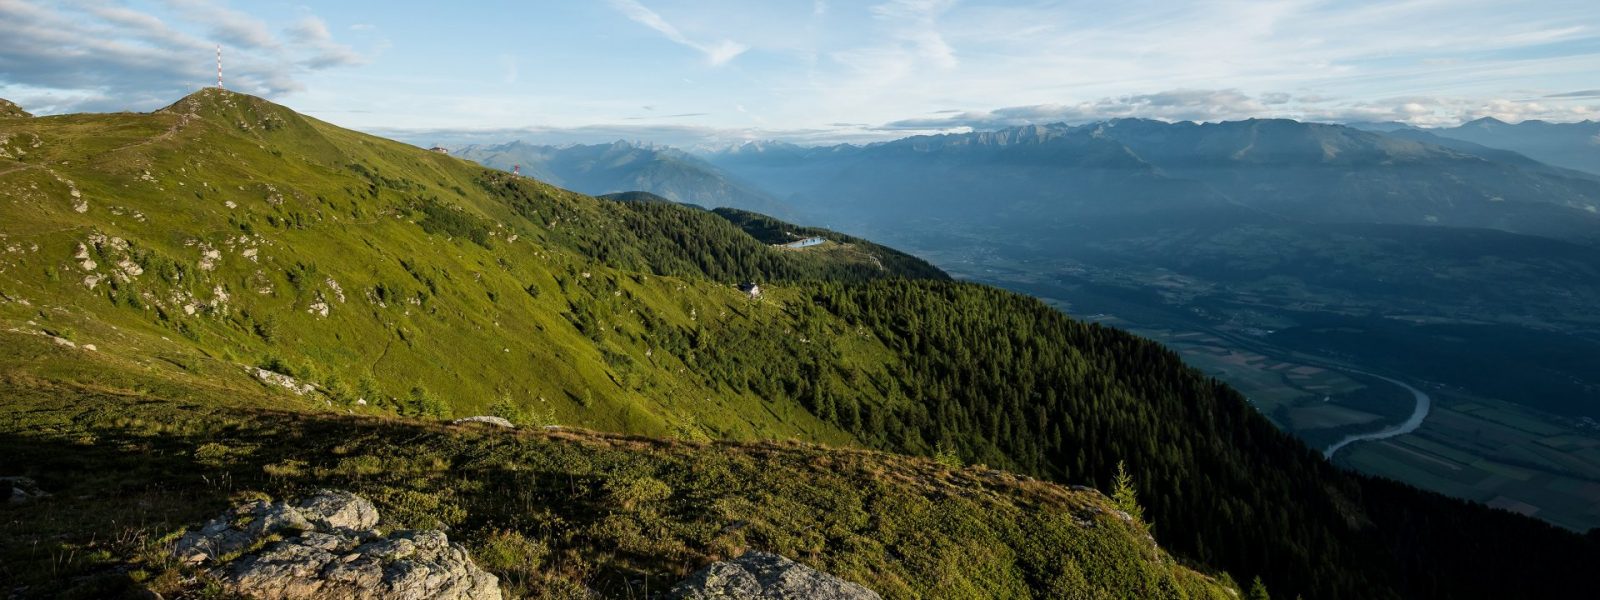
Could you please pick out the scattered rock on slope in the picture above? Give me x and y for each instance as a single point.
(9, 109)
(762, 576)
(330, 549)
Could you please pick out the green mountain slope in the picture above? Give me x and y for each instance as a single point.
(353, 261)
(554, 514)
(243, 250)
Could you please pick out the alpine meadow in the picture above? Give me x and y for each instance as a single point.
(391, 343)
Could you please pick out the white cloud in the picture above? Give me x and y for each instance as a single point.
(99, 56)
(915, 26)
(1171, 105)
(228, 26)
(804, 65)
(717, 53)
(313, 36)
(1230, 105)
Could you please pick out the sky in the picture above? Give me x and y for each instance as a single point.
(708, 72)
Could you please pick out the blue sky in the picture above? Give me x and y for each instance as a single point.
(707, 72)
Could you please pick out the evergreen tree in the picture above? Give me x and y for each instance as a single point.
(1258, 590)
(1123, 494)
(946, 455)
(423, 403)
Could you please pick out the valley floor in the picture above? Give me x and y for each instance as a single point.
(1470, 446)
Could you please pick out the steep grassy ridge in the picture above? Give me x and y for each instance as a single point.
(383, 274)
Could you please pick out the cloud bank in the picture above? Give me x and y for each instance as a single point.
(1233, 105)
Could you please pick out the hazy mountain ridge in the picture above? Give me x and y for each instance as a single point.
(1569, 145)
(621, 167)
(1301, 171)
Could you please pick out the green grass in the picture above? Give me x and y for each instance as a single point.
(551, 512)
(424, 264)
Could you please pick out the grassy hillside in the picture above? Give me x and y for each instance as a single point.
(133, 458)
(265, 260)
(259, 237)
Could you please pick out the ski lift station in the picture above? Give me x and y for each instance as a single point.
(805, 243)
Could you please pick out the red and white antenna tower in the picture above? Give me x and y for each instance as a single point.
(516, 170)
(219, 67)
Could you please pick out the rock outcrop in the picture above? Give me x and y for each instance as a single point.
(21, 490)
(329, 548)
(762, 576)
(9, 109)
(486, 420)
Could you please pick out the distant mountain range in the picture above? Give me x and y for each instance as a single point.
(1568, 145)
(623, 167)
(1060, 175)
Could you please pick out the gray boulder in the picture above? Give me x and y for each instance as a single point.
(486, 420)
(21, 490)
(237, 530)
(332, 509)
(762, 576)
(329, 549)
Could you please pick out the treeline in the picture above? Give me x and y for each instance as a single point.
(1005, 377)
(1005, 380)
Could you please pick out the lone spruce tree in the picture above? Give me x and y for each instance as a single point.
(1123, 494)
(1258, 590)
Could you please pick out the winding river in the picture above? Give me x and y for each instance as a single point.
(1411, 423)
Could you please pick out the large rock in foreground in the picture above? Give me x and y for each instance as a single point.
(330, 550)
(762, 576)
